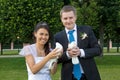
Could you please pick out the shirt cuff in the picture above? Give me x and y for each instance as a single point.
(68, 55)
(82, 53)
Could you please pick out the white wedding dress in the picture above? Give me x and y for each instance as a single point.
(44, 73)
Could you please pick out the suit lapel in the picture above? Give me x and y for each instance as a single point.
(78, 36)
(65, 39)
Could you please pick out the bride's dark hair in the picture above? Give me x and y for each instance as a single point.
(45, 26)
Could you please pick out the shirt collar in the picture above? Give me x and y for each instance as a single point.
(75, 28)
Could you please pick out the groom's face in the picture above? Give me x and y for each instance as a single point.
(68, 19)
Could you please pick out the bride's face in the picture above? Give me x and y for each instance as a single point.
(42, 36)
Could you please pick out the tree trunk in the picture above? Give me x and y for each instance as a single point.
(101, 32)
(1, 48)
(118, 46)
(108, 46)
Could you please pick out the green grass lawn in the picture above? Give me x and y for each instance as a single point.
(15, 68)
(12, 69)
(109, 67)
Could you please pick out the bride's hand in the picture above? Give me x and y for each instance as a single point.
(53, 54)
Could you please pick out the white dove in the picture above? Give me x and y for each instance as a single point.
(74, 59)
(59, 47)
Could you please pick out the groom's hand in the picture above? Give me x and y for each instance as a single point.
(74, 52)
(77, 51)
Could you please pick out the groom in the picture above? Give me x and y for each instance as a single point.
(87, 47)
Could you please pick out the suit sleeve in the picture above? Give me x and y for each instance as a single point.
(59, 38)
(93, 48)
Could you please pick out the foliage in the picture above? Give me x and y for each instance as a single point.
(18, 17)
(109, 17)
(87, 14)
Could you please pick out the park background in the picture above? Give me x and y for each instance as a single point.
(18, 18)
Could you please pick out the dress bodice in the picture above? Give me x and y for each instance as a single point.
(44, 73)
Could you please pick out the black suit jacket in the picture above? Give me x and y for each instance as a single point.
(91, 48)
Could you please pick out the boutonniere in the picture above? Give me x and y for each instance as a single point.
(83, 35)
